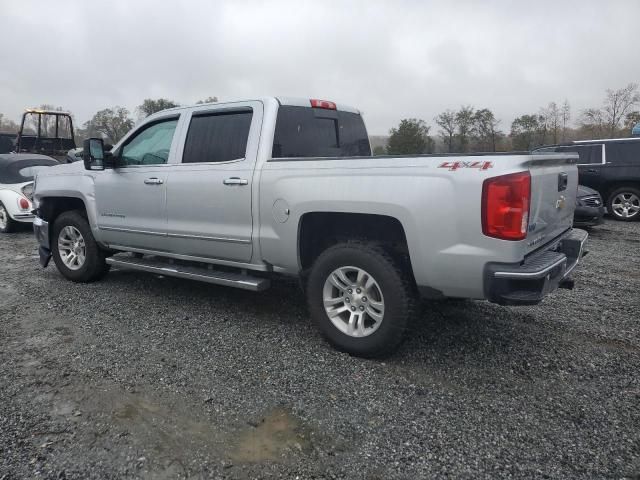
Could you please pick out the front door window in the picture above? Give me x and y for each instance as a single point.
(150, 146)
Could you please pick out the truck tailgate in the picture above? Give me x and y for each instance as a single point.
(554, 184)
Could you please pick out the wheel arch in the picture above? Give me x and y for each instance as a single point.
(51, 207)
(319, 230)
(618, 187)
(609, 187)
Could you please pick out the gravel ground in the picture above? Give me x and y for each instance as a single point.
(149, 377)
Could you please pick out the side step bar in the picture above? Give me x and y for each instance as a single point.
(228, 279)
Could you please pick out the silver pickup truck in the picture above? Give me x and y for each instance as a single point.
(237, 193)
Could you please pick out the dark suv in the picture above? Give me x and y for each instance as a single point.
(612, 167)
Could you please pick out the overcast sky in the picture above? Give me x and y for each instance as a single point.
(393, 59)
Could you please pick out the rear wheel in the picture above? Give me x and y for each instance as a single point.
(361, 299)
(7, 224)
(624, 204)
(75, 252)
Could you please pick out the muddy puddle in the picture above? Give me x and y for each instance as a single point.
(172, 434)
(277, 435)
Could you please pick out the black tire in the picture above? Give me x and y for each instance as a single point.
(94, 266)
(9, 223)
(395, 284)
(632, 192)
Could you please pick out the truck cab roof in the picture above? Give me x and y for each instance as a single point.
(289, 101)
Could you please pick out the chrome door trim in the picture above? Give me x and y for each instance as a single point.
(130, 230)
(177, 235)
(213, 239)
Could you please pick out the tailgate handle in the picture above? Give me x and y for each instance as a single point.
(563, 180)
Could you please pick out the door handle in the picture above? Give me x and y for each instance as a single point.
(153, 181)
(235, 181)
(592, 170)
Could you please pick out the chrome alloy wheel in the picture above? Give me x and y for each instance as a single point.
(4, 215)
(71, 246)
(626, 205)
(353, 301)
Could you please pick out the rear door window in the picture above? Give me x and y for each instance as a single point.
(217, 136)
(627, 153)
(314, 132)
(588, 154)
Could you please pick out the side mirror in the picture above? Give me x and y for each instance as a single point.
(93, 154)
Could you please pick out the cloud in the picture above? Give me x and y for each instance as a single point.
(391, 59)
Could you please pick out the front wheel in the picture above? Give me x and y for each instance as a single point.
(75, 252)
(624, 204)
(361, 299)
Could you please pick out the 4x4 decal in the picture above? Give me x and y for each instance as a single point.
(481, 165)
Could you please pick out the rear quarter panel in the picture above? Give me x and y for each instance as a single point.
(438, 207)
(9, 199)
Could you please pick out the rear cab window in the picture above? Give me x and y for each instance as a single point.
(317, 132)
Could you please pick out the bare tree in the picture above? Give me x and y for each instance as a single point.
(543, 126)
(7, 125)
(447, 122)
(631, 119)
(617, 104)
(553, 120)
(593, 122)
(566, 117)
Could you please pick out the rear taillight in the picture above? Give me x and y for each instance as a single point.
(505, 206)
(326, 104)
(23, 203)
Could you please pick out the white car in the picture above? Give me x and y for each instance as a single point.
(16, 187)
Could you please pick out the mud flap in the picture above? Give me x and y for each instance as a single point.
(45, 256)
